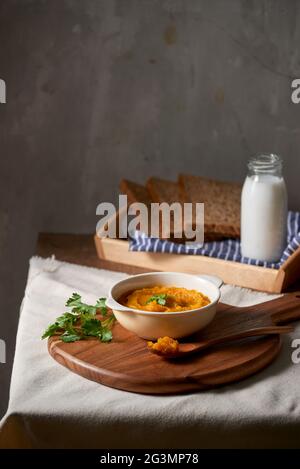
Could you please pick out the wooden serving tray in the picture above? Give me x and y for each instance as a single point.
(235, 273)
(125, 363)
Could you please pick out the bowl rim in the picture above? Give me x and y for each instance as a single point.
(169, 313)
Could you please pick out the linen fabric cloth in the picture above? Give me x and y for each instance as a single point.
(50, 407)
(229, 249)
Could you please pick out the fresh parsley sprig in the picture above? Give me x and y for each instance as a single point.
(160, 299)
(82, 322)
(78, 306)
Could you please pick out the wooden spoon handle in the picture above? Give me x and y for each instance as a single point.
(281, 310)
(286, 308)
(190, 348)
(255, 332)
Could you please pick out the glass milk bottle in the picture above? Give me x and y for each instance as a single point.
(264, 209)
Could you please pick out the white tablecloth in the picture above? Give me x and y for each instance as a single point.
(51, 407)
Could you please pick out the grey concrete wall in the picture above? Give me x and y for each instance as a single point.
(104, 89)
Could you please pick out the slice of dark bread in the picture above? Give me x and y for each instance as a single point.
(135, 192)
(162, 190)
(222, 203)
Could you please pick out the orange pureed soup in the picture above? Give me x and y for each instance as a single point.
(162, 298)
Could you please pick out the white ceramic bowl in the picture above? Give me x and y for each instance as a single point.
(152, 325)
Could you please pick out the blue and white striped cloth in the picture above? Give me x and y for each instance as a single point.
(229, 249)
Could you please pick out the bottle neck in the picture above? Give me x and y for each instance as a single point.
(265, 165)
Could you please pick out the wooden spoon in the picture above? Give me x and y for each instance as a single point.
(192, 347)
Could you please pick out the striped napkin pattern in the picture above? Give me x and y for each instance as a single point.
(229, 249)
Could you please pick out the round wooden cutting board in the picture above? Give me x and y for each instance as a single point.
(125, 363)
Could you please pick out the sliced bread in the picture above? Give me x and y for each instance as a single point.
(135, 192)
(221, 204)
(138, 193)
(162, 190)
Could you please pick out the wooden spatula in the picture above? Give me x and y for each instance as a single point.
(188, 348)
(235, 323)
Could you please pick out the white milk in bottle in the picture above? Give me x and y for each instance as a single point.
(264, 210)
